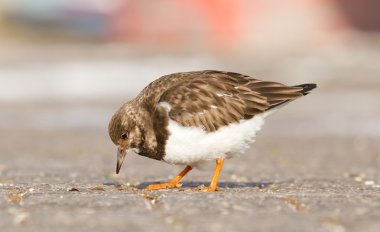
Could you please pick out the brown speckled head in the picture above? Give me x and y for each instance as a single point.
(125, 132)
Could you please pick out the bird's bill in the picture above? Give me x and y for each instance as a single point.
(120, 158)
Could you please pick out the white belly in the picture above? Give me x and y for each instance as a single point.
(192, 145)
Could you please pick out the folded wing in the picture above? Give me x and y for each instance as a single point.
(212, 99)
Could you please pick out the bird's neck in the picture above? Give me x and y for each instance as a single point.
(154, 133)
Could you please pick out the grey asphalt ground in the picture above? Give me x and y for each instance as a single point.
(314, 167)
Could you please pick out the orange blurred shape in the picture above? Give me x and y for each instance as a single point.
(224, 18)
(213, 23)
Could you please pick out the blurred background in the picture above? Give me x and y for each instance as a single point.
(87, 49)
(67, 65)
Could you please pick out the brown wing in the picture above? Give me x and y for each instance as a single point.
(212, 99)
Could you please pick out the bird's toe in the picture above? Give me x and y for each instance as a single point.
(163, 186)
(205, 189)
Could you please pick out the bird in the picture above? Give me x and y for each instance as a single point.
(192, 118)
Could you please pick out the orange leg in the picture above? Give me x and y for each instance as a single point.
(174, 183)
(214, 182)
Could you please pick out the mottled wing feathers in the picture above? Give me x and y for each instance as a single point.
(212, 99)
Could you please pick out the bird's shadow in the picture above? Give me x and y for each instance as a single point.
(228, 184)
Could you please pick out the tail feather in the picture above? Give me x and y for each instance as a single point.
(307, 88)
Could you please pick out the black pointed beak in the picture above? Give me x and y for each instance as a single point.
(120, 158)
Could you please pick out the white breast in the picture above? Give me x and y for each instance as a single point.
(192, 145)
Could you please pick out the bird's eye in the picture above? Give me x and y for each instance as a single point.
(124, 136)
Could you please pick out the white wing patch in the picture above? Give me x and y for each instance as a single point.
(166, 106)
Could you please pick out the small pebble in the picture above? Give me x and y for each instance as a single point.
(98, 188)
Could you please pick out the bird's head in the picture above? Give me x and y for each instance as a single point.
(124, 132)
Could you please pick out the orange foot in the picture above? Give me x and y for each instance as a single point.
(174, 183)
(214, 182)
(163, 186)
(206, 189)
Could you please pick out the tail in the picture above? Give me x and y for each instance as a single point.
(306, 88)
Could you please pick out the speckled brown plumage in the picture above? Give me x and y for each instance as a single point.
(212, 99)
(206, 99)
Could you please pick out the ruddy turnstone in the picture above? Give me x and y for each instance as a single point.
(190, 118)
